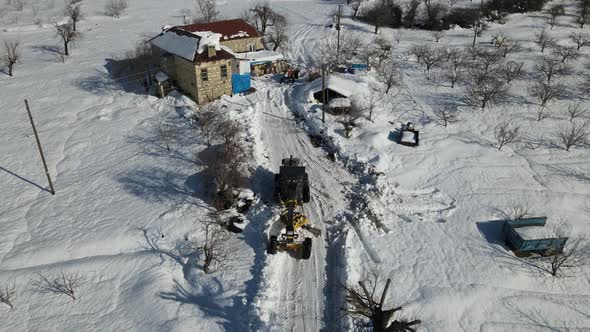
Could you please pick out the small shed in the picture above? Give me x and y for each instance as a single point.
(529, 235)
(336, 86)
(165, 84)
(340, 105)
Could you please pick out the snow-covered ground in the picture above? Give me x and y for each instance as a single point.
(125, 206)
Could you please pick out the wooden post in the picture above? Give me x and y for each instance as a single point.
(52, 190)
(384, 292)
(338, 29)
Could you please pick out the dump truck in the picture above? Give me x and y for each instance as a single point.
(291, 191)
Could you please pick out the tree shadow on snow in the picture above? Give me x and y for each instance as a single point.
(210, 302)
(156, 184)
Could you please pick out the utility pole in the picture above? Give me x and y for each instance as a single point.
(477, 24)
(52, 190)
(338, 29)
(324, 97)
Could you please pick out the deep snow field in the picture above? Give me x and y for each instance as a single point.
(126, 208)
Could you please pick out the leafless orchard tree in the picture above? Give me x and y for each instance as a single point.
(383, 49)
(445, 115)
(499, 38)
(73, 11)
(60, 284)
(206, 11)
(509, 46)
(264, 16)
(166, 133)
(452, 3)
(11, 55)
(553, 12)
(517, 210)
(581, 39)
(18, 5)
(210, 121)
(437, 35)
(455, 65)
(558, 260)
(8, 294)
(542, 113)
(545, 92)
(505, 133)
(418, 51)
(364, 301)
(67, 34)
(566, 53)
(397, 36)
(487, 59)
(431, 58)
(389, 74)
(511, 71)
(485, 87)
(550, 68)
(582, 13)
(327, 52)
(544, 40)
(116, 8)
(575, 111)
(216, 244)
(572, 135)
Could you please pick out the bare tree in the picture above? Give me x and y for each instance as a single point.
(517, 210)
(505, 134)
(277, 36)
(418, 51)
(355, 5)
(485, 87)
(580, 39)
(511, 71)
(544, 40)
(210, 120)
(166, 133)
(67, 34)
(60, 284)
(227, 164)
(382, 48)
(509, 46)
(582, 13)
(362, 301)
(367, 104)
(389, 74)
(74, 12)
(566, 53)
(445, 115)
(499, 38)
(216, 244)
(546, 91)
(431, 58)
(575, 111)
(327, 52)
(264, 16)
(455, 63)
(398, 36)
(487, 59)
(452, 3)
(560, 258)
(550, 68)
(12, 54)
(572, 135)
(437, 35)
(206, 11)
(554, 12)
(7, 294)
(116, 8)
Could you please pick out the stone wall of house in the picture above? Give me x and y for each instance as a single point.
(185, 76)
(243, 44)
(215, 86)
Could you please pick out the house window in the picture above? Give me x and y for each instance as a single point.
(252, 47)
(204, 74)
(223, 71)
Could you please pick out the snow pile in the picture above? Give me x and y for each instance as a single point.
(340, 103)
(206, 39)
(240, 34)
(260, 56)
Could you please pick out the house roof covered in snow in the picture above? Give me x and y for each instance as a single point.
(228, 29)
(334, 82)
(260, 56)
(191, 46)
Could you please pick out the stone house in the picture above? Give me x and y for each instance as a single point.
(201, 58)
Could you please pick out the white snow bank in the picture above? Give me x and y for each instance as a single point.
(260, 56)
(408, 137)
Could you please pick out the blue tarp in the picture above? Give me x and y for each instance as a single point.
(359, 66)
(240, 83)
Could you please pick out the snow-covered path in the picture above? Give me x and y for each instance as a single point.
(299, 302)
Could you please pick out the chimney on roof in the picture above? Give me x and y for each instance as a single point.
(211, 52)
